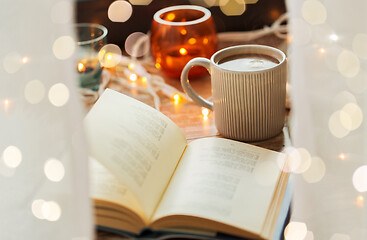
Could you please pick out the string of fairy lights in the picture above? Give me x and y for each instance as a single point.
(138, 72)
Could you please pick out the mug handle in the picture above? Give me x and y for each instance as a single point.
(186, 84)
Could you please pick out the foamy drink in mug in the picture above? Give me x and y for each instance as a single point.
(249, 91)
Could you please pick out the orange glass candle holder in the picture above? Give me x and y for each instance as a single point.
(179, 34)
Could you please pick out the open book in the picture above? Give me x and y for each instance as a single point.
(146, 176)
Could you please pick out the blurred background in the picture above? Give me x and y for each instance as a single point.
(229, 15)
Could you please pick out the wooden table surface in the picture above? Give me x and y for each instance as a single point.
(188, 115)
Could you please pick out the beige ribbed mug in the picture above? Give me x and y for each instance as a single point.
(249, 90)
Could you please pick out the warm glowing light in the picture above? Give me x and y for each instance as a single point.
(342, 156)
(314, 12)
(109, 55)
(12, 156)
(293, 159)
(354, 116)
(205, 40)
(34, 91)
(336, 127)
(205, 111)
(144, 79)
(6, 103)
(133, 77)
(176, 97)
(58, 94)
(120, 11)
(322, 50)
(183, 31)
(133, 48)
(360, 179)
(63, 47)
(140, 2)
(158, 65)
(170, 17)
(183, 51)
(304, 160)
(25, 59)
(334, 37)
(12, 62)
(51, 211)
(54, 170)
(295, 231)
(81, 67)
(316, 171)
(192, 41)
(131, 66)
(37, 208)
(176, 102)
(233, 8)
(360, 201)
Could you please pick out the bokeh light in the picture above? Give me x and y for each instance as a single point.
(360, 179)
(12, 62)
(63, 47)
(348, 64)
(305, 160)
(293, 159)
(131, 41)
(295, 231)
(37, 208)
(333, 37)
(62, 12)
(309, 236)
(109, 55)
(133, 77)
(58, 95)
(314, 12)
(140, 2)
(359, 45)
(119, 11)
(51, 211)
(340, 236)
(343, 98)
(232, 7)
(355, 116)
(335, 125)
(34, 91)
(342, 156)
(54, 170)
(316, 171)
(12, 156)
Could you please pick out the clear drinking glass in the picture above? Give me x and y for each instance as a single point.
(91, 38)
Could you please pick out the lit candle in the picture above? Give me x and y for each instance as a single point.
(89, 73)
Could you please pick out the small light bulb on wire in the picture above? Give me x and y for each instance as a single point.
(133, 77)
(131, 66)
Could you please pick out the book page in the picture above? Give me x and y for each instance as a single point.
(136, 143)
(225, 181)
(104, 186)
